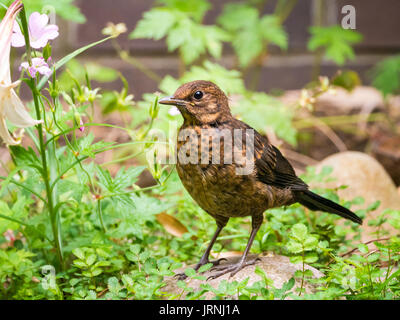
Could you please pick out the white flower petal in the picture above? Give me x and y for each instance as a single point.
(44, 70)
(23, 65)
(17, 38)
(6, 27)
(13, 109)
(4, 134)
(37, 22)
(173, 111)
(51, 31)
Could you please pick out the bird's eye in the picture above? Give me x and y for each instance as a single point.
(198, 95)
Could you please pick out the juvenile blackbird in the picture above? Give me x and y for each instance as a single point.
(217, 185)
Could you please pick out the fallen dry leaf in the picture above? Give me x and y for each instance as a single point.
(226, 254)
(171, 224)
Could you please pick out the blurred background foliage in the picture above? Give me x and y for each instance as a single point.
(144, 236)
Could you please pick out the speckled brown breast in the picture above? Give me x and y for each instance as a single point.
(219, 190)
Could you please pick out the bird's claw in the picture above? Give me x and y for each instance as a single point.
(217, 262)
(180, 276)
(183, 276)
(233, 268)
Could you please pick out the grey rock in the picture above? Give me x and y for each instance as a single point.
(365, 177)
(277, 268)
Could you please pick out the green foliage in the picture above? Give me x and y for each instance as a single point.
(258, 109)
(76, 72)
(346, 79)
(229, 81)
(250, 33)
(73, 227)
(274, 113)
(386, 75)
(64, 8)
(180, 22)
(335, 41)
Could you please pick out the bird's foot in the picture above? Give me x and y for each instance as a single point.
(233, 268)
(183, 276)
(214, 263)
(180, 276)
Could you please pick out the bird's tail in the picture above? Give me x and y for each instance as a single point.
(315, 202)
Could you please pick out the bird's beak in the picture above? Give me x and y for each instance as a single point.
(172, 101)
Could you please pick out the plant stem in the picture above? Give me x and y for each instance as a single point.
(46, 178)
(45, 171)
(26, 35)
(124, 55)
(26, 188)
(302, 276)
(100, 213)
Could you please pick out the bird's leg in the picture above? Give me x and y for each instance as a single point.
(204, 259)
(234, 268)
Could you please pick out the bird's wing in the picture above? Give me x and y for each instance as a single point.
(273, 168)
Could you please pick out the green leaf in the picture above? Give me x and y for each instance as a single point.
(373, 257)
(91, 259)
(311, 258)
(294, 246)
(310, 243)
(363, 248)
(238, 16)
(96, 271)
(80, 264)
(205, 267)
(25, 157)
(190, 272)
(155, 24)
(79, 253)
(250, 33)
(113, 285)
(47, 52)
(214, 37)
(180, 34)
(263, 112)
(374, 206)
(248, 45)
(296, 259)
(386, 75)
(64, 8)
(336, 41)
(135, 249)
(273, 31)
(299, 231)
(288, 285)
(194, 9)
(180, 23)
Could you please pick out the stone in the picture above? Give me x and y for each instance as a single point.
(277, 268)
(364, 177)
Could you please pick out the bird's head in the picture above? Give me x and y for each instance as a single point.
(200, 102)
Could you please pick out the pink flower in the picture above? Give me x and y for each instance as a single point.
(81, 128)
(38, 65)
(11, 106)
(40, 32)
